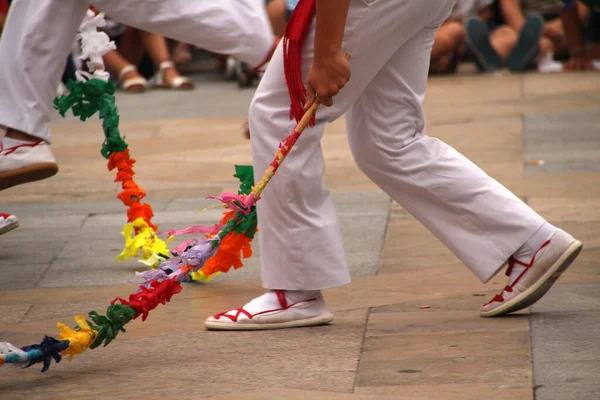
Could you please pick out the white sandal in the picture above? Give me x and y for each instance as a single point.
(179, 82)
(132, 85)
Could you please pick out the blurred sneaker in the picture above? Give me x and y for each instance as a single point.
(528, 45)
(540, 273)
(478, 42)
(24, 163)
(8, 222)
(548, 65)
(230, 63)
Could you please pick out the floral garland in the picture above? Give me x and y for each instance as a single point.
(219, 249)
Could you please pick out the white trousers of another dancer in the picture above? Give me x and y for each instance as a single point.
(390, 44)
(39, 36)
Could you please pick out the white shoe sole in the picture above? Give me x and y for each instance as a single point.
(31, 173)
(234, 326)
(538, 289)
(9, 227)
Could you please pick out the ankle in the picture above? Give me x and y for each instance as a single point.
(301, 295)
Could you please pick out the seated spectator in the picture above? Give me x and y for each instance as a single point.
(529, 33)
(448, 46)
(141, 56)
(583, 39)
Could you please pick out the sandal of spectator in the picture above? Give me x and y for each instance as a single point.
(528, 45)
(178, 82)
(8, 222)
(478, 42)
(136, 84)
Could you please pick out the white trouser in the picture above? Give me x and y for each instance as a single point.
(390, 44)
(40, 34)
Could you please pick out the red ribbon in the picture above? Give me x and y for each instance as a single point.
(295, 33)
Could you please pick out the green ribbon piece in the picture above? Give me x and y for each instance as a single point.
(108, 327)
(245, 173)
(86, 99)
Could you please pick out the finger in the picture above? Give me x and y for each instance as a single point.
(310, 97)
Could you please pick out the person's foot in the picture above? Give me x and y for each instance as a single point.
(547, 64)
(22, 162)
(8, 222)
(478, 41)
(275, 309)
(528, 45)
(131, 80)
(538, 276)
(167, 77)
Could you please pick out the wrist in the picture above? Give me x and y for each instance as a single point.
(326, 55)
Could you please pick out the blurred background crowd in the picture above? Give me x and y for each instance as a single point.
(547, 36)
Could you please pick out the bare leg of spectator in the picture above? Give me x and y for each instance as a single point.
(167, 75)
(503, 39)
(277, 12)
(125, 72)
(448, 40)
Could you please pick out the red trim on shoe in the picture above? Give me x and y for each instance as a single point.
(511, 263)
(280, 297)
(12, 149)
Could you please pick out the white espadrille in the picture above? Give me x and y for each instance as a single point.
(547, 264)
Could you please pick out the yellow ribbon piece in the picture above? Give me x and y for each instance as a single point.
(146, 241)
(79, 340)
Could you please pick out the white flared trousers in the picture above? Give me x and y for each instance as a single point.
(39, 35)
(390, 43)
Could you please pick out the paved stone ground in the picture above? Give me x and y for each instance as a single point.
(383, 343)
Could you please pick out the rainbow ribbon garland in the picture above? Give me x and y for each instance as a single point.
(196, 259)
(220, 247)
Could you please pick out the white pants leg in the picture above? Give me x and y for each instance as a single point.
(477, 218)
(390, 43)
(301, 246)
(39, 34)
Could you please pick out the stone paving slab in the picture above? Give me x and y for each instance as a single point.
(383, 344)
(563, 141)
(83, 246)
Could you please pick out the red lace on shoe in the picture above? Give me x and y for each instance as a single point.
(282, 302)
(12, 149)
(5, 216)
(511, 263)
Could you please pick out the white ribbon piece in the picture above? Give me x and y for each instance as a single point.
(7, 348)
(94, 44)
